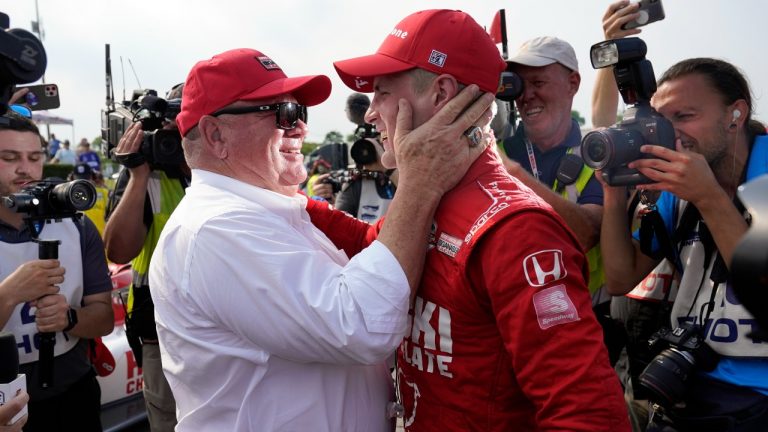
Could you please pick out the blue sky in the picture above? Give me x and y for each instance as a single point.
(163, 39)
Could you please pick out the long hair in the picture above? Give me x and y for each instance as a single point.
(725, 78)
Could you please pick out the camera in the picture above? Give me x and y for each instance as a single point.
(338, 178)
(611, 149)
(680, 353)
(52, 199)
(22, 59)
(160, 147)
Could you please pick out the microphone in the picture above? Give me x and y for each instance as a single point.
(9, 353)
(357, 105)
(10, 380)
(153, 103)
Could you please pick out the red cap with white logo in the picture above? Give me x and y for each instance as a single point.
(438, 40)
(242, 74)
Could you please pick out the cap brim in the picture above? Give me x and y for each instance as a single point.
(358, 73)
(531, 60)
(308, 90)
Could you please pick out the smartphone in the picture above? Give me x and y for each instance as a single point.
(41, 96)
(650, 11)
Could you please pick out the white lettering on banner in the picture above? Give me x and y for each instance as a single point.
(725, 330)
(425, 356)
(396, 32)
(547, 267)
(553, 307)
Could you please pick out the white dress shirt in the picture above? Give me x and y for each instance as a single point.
(264, 325)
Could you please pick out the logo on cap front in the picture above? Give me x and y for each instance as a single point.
(267, 63)
(360, 83)
(437, 58)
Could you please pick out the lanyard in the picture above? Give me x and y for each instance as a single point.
(531, 158)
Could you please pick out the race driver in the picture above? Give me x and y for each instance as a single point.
(502, 332)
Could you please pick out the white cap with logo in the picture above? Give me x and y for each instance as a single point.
(544, 51)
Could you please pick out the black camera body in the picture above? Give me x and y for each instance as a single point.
(680, 352)
(612, 149)
(160, 147)
(22, 59)
(52, 199)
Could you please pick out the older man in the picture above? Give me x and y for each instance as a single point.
(263, 323)
(502, 335)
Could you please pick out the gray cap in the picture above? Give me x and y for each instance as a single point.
(545, 50)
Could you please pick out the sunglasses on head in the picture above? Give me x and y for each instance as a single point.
(286, 113)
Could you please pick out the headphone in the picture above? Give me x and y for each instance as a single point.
(736, 115)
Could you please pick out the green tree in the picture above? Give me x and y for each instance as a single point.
(579, 119)
(333, 137)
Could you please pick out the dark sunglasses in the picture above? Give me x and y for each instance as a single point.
(286, 113)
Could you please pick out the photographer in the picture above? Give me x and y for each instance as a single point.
(37, 296)
(369, 188)
(144, 198)
(718, 146)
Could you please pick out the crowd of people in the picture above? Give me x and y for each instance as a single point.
(454, 280)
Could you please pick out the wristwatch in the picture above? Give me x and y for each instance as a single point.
(72, 319)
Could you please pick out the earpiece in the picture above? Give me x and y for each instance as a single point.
(736, 115)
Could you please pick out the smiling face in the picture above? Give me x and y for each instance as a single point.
(261, 154)
(388, 90)
(698, 114)
(21, 160)
(545, 105)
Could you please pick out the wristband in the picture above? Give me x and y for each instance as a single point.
(72, 319)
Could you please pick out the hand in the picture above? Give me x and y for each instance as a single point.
(436, 155)
(17, 96)
(51, 315)
(10, 409)
(130, 143)
(322, 189)
(684, 173)
(32, 280)
(617, 15)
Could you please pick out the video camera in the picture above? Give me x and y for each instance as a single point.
(22, 60)
(51, 199)
(680, 351)
(160, 147)
(613, 148)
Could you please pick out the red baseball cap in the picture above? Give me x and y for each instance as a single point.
(437, 40)
(242, 74)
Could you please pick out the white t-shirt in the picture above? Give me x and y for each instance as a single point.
(66, 156)
(264, 324)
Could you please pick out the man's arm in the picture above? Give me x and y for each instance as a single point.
(546, 323)
(95, 316)
(688, 176)
(125, 231)
(605, 94)
(623, 262)
(583, 219)
(29, 282)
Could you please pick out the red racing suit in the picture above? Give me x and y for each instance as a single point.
(503, 336)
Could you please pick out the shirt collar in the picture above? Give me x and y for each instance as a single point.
(286, 206)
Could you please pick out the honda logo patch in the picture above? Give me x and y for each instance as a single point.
(553, 307)
(544, 267)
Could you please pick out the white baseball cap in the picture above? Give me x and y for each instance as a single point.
(545, 50)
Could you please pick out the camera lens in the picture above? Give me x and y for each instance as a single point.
(666, 374)
(77, 195)
(596, 149)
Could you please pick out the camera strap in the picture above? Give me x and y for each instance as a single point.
(130, 160)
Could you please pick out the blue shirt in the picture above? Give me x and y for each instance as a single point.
(548, 162)
(92, 159)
